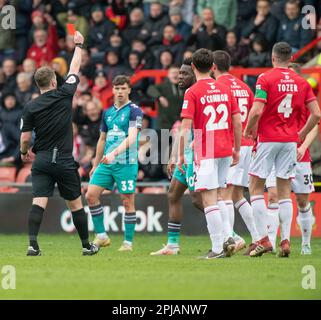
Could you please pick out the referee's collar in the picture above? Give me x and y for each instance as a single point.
(123, 106)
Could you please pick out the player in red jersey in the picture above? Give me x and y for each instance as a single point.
(280, 96)
(210, 109)
(302, 186)
(238, 177)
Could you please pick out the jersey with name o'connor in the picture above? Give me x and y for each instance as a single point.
(285, 94)
(50, 116)
(210, 105)
(116, 123)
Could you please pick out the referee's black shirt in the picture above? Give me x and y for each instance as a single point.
(50, 115)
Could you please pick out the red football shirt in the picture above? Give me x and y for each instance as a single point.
(210, 104)
(284, 93)
(244, 97)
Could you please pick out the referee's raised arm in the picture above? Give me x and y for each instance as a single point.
(76, 59)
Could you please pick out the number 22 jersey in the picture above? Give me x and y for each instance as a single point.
(210, 105)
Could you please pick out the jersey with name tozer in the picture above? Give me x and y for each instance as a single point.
(210, 105)
(244, 97)
(284, 94)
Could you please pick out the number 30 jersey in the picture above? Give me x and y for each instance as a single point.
(244, 97)
(210, 105)
(284, 94)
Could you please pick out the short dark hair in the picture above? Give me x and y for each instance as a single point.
(121, 80)
(222, 60)
(282, 51)
(202, 59)
(296, 2)
(44, 76)
(187, 61)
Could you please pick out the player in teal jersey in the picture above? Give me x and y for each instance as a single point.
(180, 182)
(116, 162)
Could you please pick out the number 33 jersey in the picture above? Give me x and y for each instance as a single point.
(284, 94)
(210, 105)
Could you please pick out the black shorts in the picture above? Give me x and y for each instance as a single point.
(46, 174)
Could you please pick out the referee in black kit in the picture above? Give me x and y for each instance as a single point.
(50, 116)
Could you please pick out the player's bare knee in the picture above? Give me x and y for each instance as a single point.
(302, 200)
(92, 198)
(75, 205)
(272, 195)
(172, 197)
(128, 203)
(197, 201)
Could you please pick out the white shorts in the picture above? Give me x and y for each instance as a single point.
(281, 155)
(301, 183)
(239, 175)
(212, 173)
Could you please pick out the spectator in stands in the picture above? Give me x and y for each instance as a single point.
(188, 53)
(187, 8)
(9, 69)
(24, 88)
(44, 47)
(68, 49)
(166, 59)
(7, 36)
(113, 67)
(246, 9)
(170, 99)
(100, 30)
(72, 16)
(155, 23)
(23, 24)
(225, 11)
(290, 28)
(101, 88)
(206, 33)
(147, 57)
(259, 57)
(87, 67)
(29, 67)
(116, 42)
(59, 64)
(117, 13)
(136, 22)
(38, 22)
(9, 143)
(264, 24)
(237, 51)
(172, 42)
(78, 112)
(176, 19)
(10, 111)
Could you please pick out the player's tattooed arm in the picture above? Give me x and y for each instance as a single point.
(307, 142)
(25, 141)
(254, 117)
(315, 116)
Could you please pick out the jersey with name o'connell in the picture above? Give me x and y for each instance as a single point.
(244, 97)
(116, 123)
(284, 94)
(210, 105)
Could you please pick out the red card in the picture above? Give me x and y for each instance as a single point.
(71, 29)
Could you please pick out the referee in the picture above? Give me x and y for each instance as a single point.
(50, 116)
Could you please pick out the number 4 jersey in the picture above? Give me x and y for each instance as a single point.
(210, 105)
(284, 93)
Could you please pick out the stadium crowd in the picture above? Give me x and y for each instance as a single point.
(124, 37)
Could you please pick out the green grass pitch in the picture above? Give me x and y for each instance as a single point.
(62, 273)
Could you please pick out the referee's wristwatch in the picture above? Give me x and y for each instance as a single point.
(80, 45)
